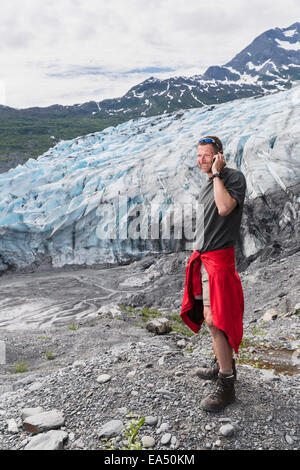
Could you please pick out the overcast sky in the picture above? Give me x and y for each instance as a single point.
(73, 51)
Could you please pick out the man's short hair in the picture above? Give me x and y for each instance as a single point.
(216, 139)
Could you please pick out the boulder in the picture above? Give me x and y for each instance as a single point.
(148, 441)
(44, 421)
(270, 314)
(103, 378)
(51, 440)
(26, 412)
(159, 326)
(227, 430)
(111, 310)
(111, 428)
(12, 426)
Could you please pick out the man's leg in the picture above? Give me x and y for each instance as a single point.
(224, 392)
(222, 348)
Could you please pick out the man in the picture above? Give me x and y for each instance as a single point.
(213, 289)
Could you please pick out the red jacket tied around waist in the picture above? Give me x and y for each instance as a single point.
(225, 292)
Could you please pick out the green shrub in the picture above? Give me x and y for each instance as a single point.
(49, 355)
(131, 431)
(21, 366)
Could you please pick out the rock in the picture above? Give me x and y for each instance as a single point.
(148, 441)
(288, 439)
(227, 430)
(35, 386)
(165, 438)
(148, 365)
(297, 308)
(51, 440)
(44, 421)
(161, 361)
(111, 428)
(209, 427)
(179, 373)
(287, 314)
(131, 374)
(78, 364)
(103, 378)
(167, 393)
(159, 326)
(22, 383)
(79, 443)
(163, 427)
(12, 426)
(181, 343)
(269, 375)
(270, 314)
(282, 294)
(26, 412)
(111, 309)
(224, 420)
(151, 420)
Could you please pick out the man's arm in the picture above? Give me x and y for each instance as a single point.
(224, 202)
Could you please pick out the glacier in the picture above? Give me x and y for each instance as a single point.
(51, 207)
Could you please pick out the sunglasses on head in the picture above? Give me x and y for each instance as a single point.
(208, 140)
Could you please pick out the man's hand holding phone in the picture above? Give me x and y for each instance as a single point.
(218, 163)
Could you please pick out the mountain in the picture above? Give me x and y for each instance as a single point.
(120, 194)
(271, 63)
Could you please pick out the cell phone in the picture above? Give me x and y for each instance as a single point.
(220, 151)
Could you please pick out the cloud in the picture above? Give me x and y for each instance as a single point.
(49, 47)
(75, 71)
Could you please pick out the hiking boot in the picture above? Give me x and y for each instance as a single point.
(211, 373)
(222, 395)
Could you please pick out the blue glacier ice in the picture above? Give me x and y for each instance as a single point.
(51, 207)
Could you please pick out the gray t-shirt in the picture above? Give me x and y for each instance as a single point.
(222, 231)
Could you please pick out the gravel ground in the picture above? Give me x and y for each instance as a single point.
(151, 376)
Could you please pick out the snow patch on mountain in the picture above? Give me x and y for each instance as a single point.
(290, 33)
(288, 46)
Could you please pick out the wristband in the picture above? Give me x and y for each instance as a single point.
(216, 175)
